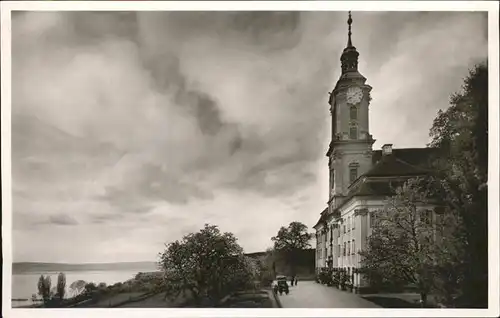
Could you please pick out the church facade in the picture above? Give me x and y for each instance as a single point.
(360, 178)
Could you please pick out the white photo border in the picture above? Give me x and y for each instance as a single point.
(493, 185)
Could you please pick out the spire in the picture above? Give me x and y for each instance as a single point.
(349, 57)
(349, 22)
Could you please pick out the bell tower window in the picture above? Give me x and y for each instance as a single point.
(332, 182)
(353, 114)
(353, 172)
(353, 131)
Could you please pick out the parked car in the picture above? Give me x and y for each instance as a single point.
(281, 285)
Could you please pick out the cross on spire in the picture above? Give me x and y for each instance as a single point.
(349, 22)
(349, 56)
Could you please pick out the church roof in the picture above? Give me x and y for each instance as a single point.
(412, 156)
(401, 162)
(369, 187)
(382, 179)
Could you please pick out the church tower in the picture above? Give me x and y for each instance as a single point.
(350, 151)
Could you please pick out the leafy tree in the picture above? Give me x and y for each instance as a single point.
(61, 286)
(102, 286)
(208, 264)
(90, 287)
(77, 287)
(408, 242)
(290, 241)
(44, 284)
(295, 236)
(461, 132)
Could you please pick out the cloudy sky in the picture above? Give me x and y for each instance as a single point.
(130, 130)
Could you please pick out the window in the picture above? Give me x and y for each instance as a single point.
(332, 179)
(344, 228)
(353, 174)
(353, 132)
(354, 113)
(353, 247)
(372, 219)
(343, 250)
(426, 217)
(349, 248)
(353, 222)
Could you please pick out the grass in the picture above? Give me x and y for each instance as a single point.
(398, 300)
(113, 300)
(391, 302)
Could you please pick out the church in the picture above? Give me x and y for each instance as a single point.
(360, 178)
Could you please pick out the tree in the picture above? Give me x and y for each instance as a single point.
(408, 242)
(461, 132)
(90, 287)
(77, 287)
(290, 241)
(44, 284)
(61, 286)
(208, 264)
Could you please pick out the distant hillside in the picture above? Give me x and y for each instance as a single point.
(32, 267)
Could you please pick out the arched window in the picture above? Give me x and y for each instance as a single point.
(353, 114)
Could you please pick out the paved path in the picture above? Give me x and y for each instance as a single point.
(309, 294)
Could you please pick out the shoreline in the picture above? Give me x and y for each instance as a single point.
(114, 289)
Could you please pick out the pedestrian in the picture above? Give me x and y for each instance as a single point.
(295, 280)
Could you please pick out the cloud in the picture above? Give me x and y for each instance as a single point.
(143, 126)
(62, 219)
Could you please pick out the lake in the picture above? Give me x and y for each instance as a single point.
(26, 284)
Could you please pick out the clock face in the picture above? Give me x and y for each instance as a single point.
(354, 95)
